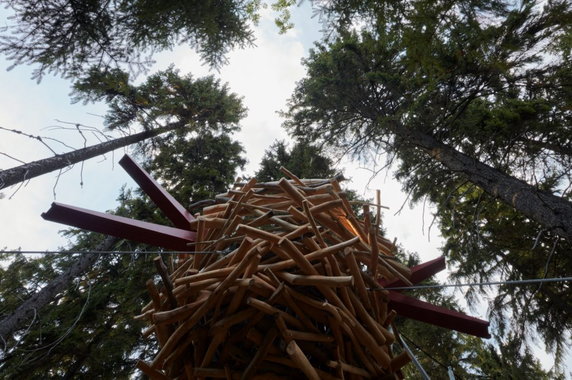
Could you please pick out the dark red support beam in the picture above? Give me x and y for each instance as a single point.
(419, 273)
(173, 210)
(144, 232)
(425, 312)
(409, 307)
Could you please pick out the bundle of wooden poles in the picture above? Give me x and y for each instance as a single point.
(283, 285)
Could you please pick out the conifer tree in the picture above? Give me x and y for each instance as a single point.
(166, 105)
(70, 37)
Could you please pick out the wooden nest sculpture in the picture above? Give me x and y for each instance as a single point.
(283, 281)
(293, 292)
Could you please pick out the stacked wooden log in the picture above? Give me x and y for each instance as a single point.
(284, 285)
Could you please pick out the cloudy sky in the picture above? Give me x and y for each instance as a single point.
(264, 75)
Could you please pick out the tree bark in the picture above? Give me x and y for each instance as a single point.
(33, 169)
(551, 211)
(24, 312)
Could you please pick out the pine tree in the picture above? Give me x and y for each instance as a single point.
(166, 104)
(302, 159)
(69, 37)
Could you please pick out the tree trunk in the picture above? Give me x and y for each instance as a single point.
(33, 169)
(551, 211)
(24, 312)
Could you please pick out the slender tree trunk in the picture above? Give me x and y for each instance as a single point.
(32, 305)
(547, 209)
(33, 169)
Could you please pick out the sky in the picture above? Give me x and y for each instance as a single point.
(265, 75)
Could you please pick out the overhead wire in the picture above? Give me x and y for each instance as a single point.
(413, 287)
(39, 252)
(484, 283)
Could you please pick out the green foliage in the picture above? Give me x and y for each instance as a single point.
(474, 75)
(88, 328)
(303, 159)
(68, 37)
(165, 97)
(499, 242)
(283, 20)
(198, 168)
(510, 361)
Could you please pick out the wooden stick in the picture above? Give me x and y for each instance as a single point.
(162, 269)
(317, 280)
(217, 373)
(327, 206)
(301, 360)
(374, 251)
(256, 337)
(179, 313)
(349, 368)
(296, 233)
(368, 341)
(399, 361)
(312, 337)
(356, 272)
(257, 233)
(202, 310)
(368, 320)
(315, 228)
(271, 310)
(153, 373)
(316, 255)
(211, 350)
(300, 314)
(238, 297)
(216, 273)
(292, 175)
(291, 191)
(260, 354)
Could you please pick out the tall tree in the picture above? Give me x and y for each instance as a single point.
(302, 159)
(473, 97)
(165, 104)
(68, 37)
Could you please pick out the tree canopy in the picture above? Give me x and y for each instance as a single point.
(69, 37)
(165, 106)
(302, 159)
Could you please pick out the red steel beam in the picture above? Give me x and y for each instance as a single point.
(419, 273)
(425, 312)
(439, 316)
(144, 232)
(173, 210)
